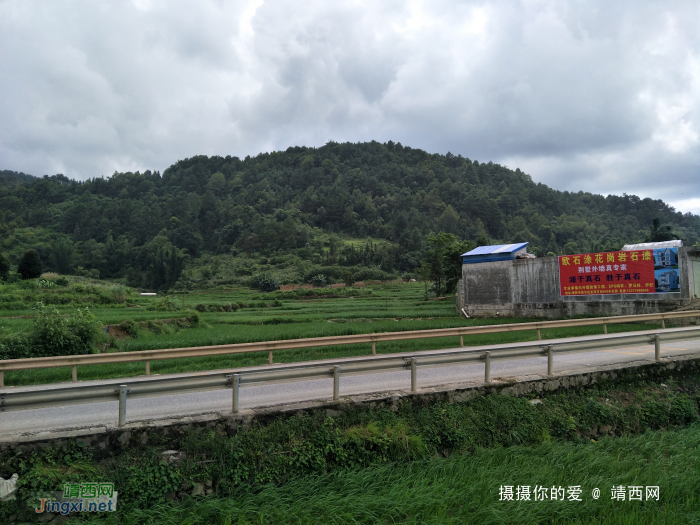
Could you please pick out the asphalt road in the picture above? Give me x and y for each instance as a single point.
(219, 401)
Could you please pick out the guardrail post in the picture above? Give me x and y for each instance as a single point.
(487, 367)
(123, 389)
(414, 373)
(75, 374)
(605, 328)
(539, 335)
(374, 348)
(235, 386)
(663, 323)
(2, 379)
(550, 360)
(148, 368)
(657, 348)
(269, 357)
(336, 383)
(461, 340)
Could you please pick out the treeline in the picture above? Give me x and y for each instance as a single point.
(307, 202)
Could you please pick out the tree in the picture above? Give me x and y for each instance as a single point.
(442, 264)
(63, 256)
(4, 268)
(571, 248)
(217, 183)
(658, 233)
(30, 265)
(449, 221)
(162, 261)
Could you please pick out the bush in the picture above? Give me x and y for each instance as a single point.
(319, 280)
(4, 268)
(15, 346)
(264, 283)
(46, 283)
(130, 327)
(53, 335)
(163, 304)
(30, 265)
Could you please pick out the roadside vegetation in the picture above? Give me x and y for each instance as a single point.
(442, 463)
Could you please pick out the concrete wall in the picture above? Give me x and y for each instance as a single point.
(530, 288)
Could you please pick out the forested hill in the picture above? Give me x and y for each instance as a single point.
(9, 178)
(291, 201)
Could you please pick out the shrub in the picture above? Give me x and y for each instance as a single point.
(55, 334)
(163, 304)
(130, 327)
(4, 268)
(15, 346)
(8, 298)
(372, 274)
(30, 265)
(45, 283)
(348, 277)
(264, 283)
(319, 280)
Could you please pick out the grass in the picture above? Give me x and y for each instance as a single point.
(409, 462)
(379, 308)
(465, 489)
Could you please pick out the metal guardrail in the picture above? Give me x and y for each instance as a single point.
(288, 344)
(198, 382)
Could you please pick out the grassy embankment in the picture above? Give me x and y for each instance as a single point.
(255, 316)
(464, 489)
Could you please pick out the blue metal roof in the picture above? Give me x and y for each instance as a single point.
(498, 248)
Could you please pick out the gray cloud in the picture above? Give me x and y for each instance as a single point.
(593, 96)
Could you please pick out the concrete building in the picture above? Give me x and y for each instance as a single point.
(665, 258)
(668, 281)
(527, 287)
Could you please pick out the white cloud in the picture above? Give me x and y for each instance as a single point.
(597, 96)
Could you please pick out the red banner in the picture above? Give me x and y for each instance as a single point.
(607, 272)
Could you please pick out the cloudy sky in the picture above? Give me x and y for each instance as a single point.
(583, 95)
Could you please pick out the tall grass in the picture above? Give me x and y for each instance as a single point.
(465, 489)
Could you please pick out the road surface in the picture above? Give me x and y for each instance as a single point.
(28, 422)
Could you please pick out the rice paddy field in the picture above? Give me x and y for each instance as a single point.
(240, 315)
(462, 486)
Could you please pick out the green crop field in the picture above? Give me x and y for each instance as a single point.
(240, 315)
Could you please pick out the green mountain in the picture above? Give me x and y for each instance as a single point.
(310, 203)
(10, 179)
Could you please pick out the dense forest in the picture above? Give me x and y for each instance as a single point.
(341, 205)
